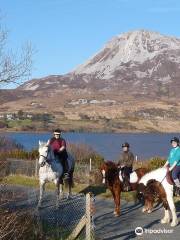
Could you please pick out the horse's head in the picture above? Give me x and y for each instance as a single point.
(43, 153)
(147, 194)
(108, 169)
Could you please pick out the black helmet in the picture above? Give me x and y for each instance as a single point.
(175, 139)
(57, 131)
(126, 144)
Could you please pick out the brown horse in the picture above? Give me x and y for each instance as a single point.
(110, 174)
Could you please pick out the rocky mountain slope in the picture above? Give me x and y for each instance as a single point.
(133, 83)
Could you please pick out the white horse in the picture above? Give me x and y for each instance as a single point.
(160, 176)
(51, 170)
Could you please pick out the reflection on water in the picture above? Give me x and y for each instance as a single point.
(144, 145)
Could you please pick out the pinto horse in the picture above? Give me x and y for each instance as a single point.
(156, 183)
(114, 182)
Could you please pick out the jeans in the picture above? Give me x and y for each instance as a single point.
(176, 172)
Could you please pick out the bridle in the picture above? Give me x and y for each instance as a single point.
(45, 159)
(106, 174)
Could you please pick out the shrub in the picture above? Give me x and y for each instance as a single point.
(16, 224)
(11, 149)
(156, 162)
(83, 153)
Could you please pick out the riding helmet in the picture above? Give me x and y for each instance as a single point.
(126, 144)
(57, 131)
(175, 139)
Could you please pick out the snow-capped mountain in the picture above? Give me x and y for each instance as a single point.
(134, 48)
(137, 62)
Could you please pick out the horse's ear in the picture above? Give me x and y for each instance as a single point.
(40, 143)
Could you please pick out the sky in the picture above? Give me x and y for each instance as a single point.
(65, 33)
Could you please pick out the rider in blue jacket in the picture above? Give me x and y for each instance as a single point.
(173, 161)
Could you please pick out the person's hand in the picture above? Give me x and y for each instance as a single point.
(167, 167)
(171, 168)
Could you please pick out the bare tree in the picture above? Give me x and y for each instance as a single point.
(14, 68)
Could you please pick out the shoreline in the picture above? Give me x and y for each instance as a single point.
(84, 131)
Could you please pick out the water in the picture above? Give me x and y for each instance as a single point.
(144, 145)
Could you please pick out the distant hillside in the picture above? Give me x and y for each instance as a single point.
(132, 84)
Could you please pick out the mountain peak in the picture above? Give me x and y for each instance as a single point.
(136, 46)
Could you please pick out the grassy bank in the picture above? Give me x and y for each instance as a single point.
(98, 190)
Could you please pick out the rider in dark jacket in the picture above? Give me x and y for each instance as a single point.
(125, 161)
(58, 145)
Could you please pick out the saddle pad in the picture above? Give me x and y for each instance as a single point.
(133, 177)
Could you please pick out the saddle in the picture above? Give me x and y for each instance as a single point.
(169, 178)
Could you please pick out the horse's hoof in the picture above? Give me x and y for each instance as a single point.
(144, 209)
(175, 223)
(39, 205)
(163, 221)
(149, 211)
(69, 197)
(116, 214)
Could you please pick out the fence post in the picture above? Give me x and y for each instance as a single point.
(88, 216)
(90, 164)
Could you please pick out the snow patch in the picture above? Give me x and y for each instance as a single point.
(31, 86)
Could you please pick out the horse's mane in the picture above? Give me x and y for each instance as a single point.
(111, 164)
(112, 171)
(42, 144)
(157, 174)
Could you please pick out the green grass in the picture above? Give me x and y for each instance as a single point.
(17, 123)
(34, 182)
(98, 190)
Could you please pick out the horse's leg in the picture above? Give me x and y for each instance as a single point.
(42, 187)
(116, 195)
(166, 218)
(61, 188)
(56, 182)
(111, 189)
(169, 193)
(117, 202)
(70, 182)
(61, 193)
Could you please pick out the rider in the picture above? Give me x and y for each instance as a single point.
(58, 145)
(126, 162)
(173, 161)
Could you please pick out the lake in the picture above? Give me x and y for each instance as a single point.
(144, 145)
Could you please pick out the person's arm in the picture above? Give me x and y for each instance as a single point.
(130, 160)
(119, 161)
(174, 164)
(63, 147)
(166, 164)
(177, 156)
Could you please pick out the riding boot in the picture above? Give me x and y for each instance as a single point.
(66, 168)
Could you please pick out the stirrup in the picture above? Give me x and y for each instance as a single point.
(66, 175)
